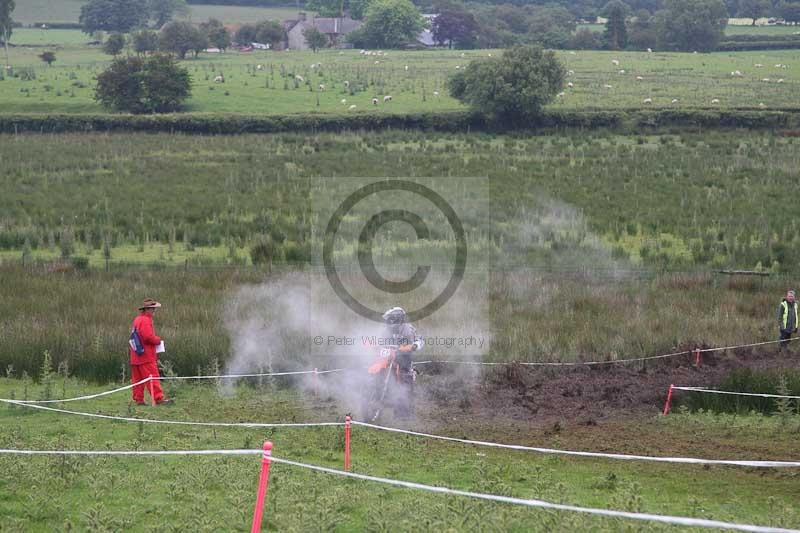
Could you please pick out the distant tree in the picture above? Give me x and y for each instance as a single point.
(357, 8)
(217, 34)
(512, 88)
(6, 23)
(327, 8)
(113, 15)
(246, 34)
(181, 38)
(616, 32)
(162, 11)
(270, 32)
(642, 32)
(114, 44)
(690, 25)
(754, 9)
(389, 24)
(155, 84)
(586, 39)
(48, 57)
(144, 41)
(315, 38)
(455, 26)
(790, 12)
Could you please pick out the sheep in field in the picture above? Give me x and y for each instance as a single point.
(387, 98)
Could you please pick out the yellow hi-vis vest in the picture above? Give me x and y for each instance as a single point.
(785, 318)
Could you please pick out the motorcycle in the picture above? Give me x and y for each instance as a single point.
(388, 384)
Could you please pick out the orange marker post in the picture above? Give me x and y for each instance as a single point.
(263, 483)
(669, 401)
(152, 391)
(347, 421)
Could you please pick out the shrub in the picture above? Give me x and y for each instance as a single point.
(156, 84)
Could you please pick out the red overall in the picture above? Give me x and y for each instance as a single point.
(146, 364)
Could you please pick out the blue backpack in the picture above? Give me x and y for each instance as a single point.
(136, 343)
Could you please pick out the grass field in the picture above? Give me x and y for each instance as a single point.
(30, 11)
(213, 493)
(694, 80)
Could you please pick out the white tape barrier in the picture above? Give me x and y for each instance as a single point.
(664, 519)
(163, 378)
(732, 393)
(685, 460)
(263, 374)
(175, 422)
(90, 396)
(608, 362)
(131, 452)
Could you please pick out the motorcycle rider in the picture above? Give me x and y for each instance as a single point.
(399, 332)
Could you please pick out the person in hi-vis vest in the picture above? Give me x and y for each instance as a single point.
(787, 319)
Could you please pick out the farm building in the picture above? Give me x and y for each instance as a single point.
(336, 28)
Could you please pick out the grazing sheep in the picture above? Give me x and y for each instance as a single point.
(560, 95)
(647, 101)
(490, 55)
(765, 79)
(458, 67)
(777, 65)
(715, 101)
(346, 84)
(377, 62)
(639, 78)
(374, 101)
(362, 52)
(758, 65)
(321, 86)
(299, 78)
(435, 93)
(572, 53)
(675, 100)
(780, 80)
(650, 50)
(570, 73)
(352, 107)
(406, 67)
(761, 105)
(463, 54)
(615, 62)
(219, 79)
(621, 72)
(344, 101)
(607, 86)
(259, 67)
(570, 85)
(387, 98)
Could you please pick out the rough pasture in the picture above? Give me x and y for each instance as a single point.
(415, 80)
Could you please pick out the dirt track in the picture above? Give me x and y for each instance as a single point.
(544, 396)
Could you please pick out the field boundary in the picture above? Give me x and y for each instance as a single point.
(449, 121)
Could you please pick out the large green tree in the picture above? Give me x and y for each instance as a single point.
(6, 23)
(144, 41)
(113, 15)
(455, 26)
(754, 9)
(512, 88)
(389, 24)
(690, 25)
(616, 32)
(156, 84)
(162, 11)
(114, 44)
(181, 38)
(790, 11)
(217, 34)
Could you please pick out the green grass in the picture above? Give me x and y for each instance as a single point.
(30, 11)
(41, 493)
(692, 79)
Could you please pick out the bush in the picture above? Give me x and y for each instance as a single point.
(156, 84)
(513, 88)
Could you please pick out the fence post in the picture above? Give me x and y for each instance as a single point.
(347, 421)
(697, 357)
(316, 382)
(669, 401)
(263, 483)
(152, 391)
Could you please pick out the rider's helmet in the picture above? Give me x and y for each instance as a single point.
(394, 316)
